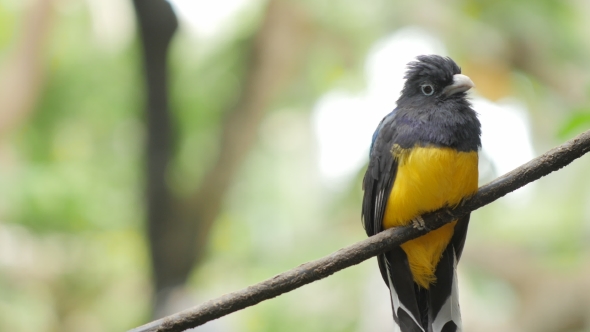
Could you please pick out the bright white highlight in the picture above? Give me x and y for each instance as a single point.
(207, 18)
(506, 137)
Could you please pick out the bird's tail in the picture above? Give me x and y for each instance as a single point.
(416, 309)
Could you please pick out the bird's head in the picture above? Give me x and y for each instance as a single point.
(434, 78)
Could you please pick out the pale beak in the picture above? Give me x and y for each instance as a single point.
(461, 83)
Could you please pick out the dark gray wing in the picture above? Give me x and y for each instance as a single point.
(379, 176)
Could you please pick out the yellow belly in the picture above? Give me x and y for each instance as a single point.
(427, 179)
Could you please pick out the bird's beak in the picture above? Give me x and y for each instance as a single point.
(461, 83)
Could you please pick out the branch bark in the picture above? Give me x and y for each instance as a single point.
(363, 250)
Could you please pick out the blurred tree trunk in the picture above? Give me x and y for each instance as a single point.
(21, 75)
(157, 23)
(179, 228)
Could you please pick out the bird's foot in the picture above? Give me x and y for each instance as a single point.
(418, 223)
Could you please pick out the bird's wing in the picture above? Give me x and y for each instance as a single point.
(379, 177)
(378, 181)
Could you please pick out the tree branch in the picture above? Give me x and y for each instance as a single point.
(363, 250)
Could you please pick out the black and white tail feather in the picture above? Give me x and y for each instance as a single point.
(416, 309)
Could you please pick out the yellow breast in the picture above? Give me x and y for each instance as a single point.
(427, 179)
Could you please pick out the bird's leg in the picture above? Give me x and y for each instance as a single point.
(418, 222)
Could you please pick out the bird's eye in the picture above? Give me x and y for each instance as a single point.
(427, 89)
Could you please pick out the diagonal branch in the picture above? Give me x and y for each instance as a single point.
(363, 250)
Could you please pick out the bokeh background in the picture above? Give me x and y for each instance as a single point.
(125, 197)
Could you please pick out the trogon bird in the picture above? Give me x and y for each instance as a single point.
(424, 156)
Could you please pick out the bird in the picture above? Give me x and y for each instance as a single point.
(423, 157)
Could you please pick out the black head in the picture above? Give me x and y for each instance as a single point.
(433, 108)
(434, 78)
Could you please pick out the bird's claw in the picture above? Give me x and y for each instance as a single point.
(418, 223)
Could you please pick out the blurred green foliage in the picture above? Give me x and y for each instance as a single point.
(578, 121)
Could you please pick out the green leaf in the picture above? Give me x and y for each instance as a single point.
(579, 120)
